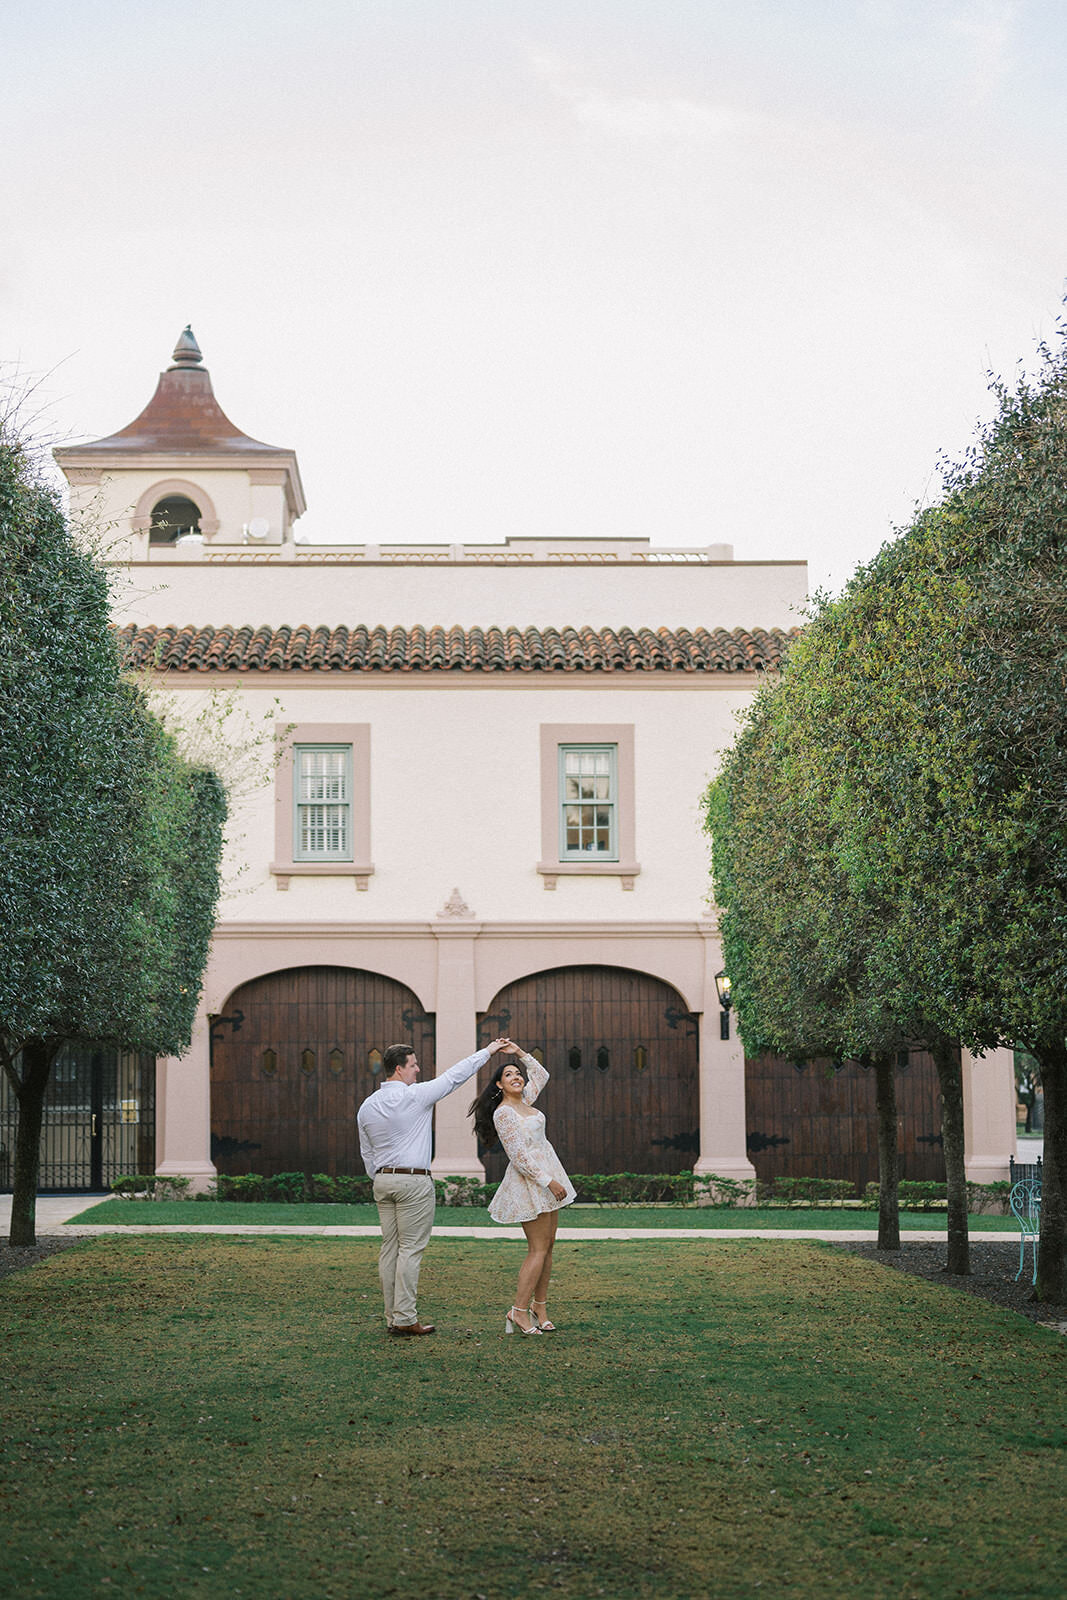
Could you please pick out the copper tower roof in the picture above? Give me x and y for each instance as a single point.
(182, 416)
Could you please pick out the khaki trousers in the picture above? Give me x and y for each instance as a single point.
(406, 1206)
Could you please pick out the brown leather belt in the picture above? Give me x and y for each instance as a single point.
(410, 1172)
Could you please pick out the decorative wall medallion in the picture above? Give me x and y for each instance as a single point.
(456, 907)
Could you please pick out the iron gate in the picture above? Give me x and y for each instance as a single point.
(99, 1120)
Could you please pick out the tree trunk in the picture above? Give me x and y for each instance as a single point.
(1051, 1268)
(888, 1163)
(36, 1069)
(946, 1054)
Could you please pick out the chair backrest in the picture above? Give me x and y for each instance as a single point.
(1025, 1202)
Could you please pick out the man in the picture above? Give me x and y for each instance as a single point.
(394, 1141)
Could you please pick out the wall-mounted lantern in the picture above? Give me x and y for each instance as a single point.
(722, 984)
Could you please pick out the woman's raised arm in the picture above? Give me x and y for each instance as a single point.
(536, 1078)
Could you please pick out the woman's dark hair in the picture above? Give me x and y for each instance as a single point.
(483, 1105)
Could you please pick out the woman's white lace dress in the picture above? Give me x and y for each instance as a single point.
(532, 1162)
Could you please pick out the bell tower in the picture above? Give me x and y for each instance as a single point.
(181, 478)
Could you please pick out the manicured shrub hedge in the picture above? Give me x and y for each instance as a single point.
(991, 1198)
(805, 1191)
(294, 1188)
(149, 1186)
(596, 1188)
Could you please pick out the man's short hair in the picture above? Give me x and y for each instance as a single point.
(395, 1056)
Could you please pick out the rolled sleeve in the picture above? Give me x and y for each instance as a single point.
(445, 1082)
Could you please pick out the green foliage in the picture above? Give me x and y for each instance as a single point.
(465, 1192)
(615, 1188)
(344, 1190)
(151, 1186)
(59, 685)
(295, 1188)
(805, 1191)
(990, 1199)
(110, 842)
(723, 1194)
(890, 830)
(634, 1188)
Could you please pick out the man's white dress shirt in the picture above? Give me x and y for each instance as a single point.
(395, 1122)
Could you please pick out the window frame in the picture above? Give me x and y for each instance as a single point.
(553, 864)
(357, 864)
(611, 804)
(322, 857)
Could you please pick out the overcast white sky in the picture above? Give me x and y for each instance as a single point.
(701, 270)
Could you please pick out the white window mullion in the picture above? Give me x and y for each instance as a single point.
(322, 811)
(589, 802)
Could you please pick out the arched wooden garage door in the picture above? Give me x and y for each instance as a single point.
(291, 1059)
(623, 1053)
(817, 1119)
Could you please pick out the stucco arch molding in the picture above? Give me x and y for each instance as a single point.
(676, 957)
(141, 521)
(240, 958)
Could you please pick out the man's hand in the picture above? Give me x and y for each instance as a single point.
(505, 1045)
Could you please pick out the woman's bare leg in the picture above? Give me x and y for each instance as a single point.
(544, 1276)
(540, 1233)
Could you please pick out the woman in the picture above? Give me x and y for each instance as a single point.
(534, 1185)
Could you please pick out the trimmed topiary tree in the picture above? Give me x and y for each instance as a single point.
(109, 842)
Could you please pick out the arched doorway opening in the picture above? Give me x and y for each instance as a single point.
(623, 1051)
(293, 1055)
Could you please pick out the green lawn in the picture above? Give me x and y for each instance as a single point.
(201, 1213)
(224, 1417)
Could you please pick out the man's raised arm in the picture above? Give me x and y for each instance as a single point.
(445, 1082)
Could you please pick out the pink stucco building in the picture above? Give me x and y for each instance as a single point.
(477, 810)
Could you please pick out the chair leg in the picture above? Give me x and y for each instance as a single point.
(1034, 1279)
(1022, 1256)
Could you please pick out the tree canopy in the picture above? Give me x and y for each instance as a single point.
(890, 830)
(110, 841)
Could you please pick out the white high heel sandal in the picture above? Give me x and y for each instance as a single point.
(511, 1326)
(542, 1323)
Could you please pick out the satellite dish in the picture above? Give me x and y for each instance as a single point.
(258, 528)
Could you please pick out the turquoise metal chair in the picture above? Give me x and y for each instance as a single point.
(1025, 1202)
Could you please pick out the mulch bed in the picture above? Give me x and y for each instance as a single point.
(993, 1269)
(13, 1258)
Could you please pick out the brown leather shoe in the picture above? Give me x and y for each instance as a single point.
(411, 1330)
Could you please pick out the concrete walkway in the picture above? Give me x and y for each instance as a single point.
(55, 1211)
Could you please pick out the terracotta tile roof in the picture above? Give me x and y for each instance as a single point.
(437, 649)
